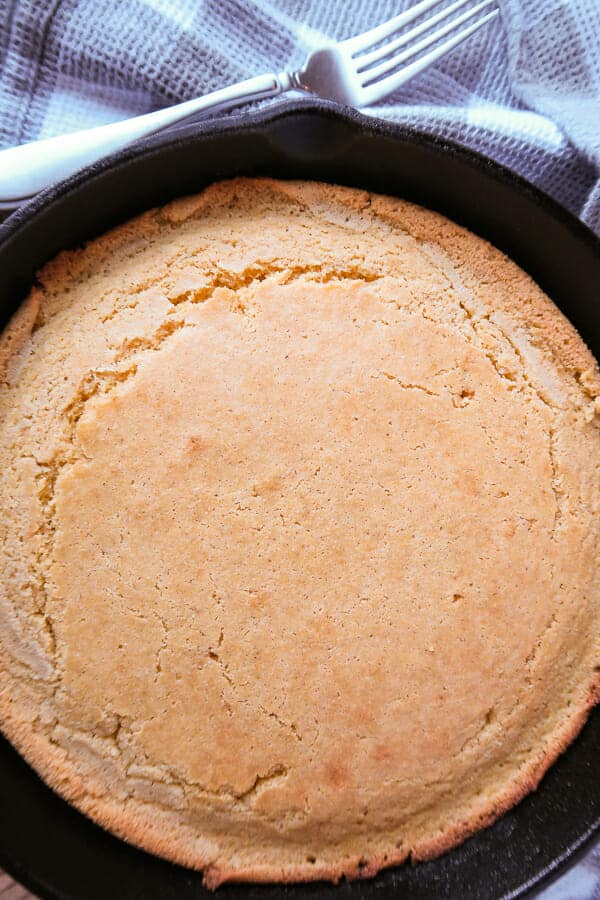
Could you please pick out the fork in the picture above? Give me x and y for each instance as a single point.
(357, 72)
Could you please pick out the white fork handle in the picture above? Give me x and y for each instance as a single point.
(30, 168)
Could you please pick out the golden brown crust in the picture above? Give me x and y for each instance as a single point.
(14, 337)
(448, 327)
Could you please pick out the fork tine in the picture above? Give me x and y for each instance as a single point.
(388, 64)
(366, 59)
(373, 92)
(368, 38)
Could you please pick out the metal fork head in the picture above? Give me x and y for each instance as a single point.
(366, 68)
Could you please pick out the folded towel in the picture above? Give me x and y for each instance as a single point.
(525, 90)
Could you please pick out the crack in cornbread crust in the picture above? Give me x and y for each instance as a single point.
(493, 306)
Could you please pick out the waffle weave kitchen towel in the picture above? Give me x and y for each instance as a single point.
(525, 90)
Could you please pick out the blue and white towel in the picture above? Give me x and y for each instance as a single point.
(525, 90)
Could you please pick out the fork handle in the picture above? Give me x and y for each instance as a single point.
(30, 168)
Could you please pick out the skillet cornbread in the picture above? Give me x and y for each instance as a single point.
(300, 493)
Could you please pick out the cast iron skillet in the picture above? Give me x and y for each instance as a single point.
(44, 842)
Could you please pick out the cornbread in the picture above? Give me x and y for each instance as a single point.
(300, 493)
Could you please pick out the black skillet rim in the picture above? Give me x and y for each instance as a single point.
(236, 123)
(233, 126)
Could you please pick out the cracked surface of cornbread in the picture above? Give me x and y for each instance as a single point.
(300, 539)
